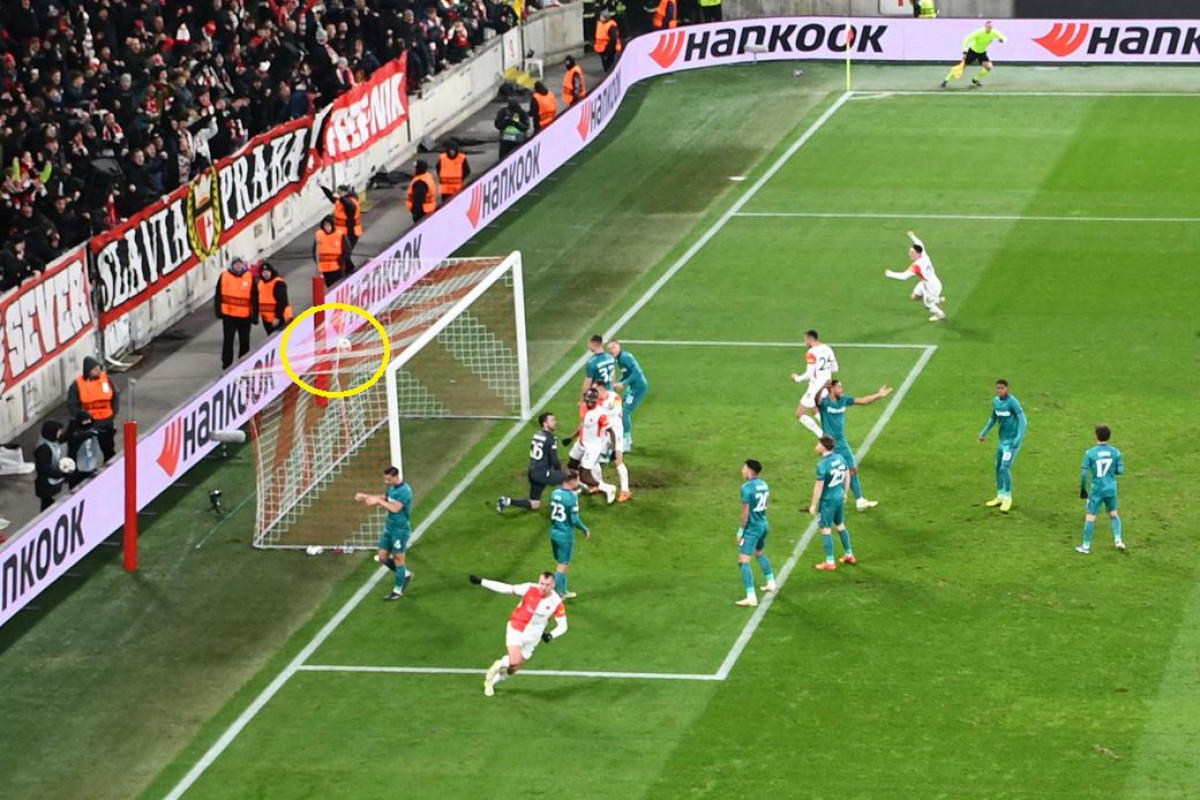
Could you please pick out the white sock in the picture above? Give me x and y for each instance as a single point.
(937, 312)
(812, 425)
(623, 474)
(599, 478)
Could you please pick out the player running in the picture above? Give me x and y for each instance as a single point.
(1103, 463)
(526, 625)
(752, 532)
(975, 51)
(613, 404)
(829, 503)
(634, 385)
(929, 288)
(393, 542)
(589, 446)
(544, 467)
(564, 521)
(601, 367)
(822, 365)
(833, 420)
(1008, 414)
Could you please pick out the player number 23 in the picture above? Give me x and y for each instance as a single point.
(558, 512)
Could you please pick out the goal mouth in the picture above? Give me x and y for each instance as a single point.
(458, 342)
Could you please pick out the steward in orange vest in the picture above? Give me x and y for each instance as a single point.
(236, 304)
(347, 218)
(422, 192)
(95, 394)
(543, 108)
(273, 299)
(667, 14)
(329, 251)
(453, 170)
(573, 88)
(607, 41)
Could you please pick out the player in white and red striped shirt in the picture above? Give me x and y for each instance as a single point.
(929, 289)
(593, 435)
(526, 625)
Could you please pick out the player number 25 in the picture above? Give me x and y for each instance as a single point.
(558, 512)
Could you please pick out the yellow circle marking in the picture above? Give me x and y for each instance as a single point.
(287, 366)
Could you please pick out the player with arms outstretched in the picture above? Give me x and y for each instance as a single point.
(821, 366)
(564, 521)
(752, 532)
(526, 625)
(1102, 464)
(634, 385)
(589, 446)
(544, 467)
(829, 503)
(612, 403)
(929, 287)
(833, 420)
(1008, 414)
(393, 541)
(601, 366)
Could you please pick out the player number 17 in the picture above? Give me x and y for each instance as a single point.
(1102, 466)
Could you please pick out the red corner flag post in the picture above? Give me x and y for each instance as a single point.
(131, 510)
(321, 380)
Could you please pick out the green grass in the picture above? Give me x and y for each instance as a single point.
(969, 655)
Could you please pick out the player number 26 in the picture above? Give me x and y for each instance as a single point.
(760, 501)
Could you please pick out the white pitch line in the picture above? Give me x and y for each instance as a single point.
(244, 719)
(945, 93)
(704, 343)
(553, 673)
(756, 619)
(956, 217)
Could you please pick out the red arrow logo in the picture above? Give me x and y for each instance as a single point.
(1062, 40)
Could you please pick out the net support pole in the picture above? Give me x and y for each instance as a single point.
(321, 380)
(131, 519)
(518, 283)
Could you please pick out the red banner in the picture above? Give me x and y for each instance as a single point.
(367, 113)
(44, 317)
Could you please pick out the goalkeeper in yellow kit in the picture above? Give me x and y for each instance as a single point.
(975, 51)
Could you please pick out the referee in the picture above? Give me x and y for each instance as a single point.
(545, 469)
(975, 51)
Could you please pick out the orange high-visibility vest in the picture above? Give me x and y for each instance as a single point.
(660, 14)
(235, 294)
(547, 108)
(430, 196)
(604, 32)
(95, 397)
(450, 172)
(569, 96)
(339, 215)
(329, 250)
(266, 301)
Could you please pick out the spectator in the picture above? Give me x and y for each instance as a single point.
(14, 268)
(47, 458)
(94, 394)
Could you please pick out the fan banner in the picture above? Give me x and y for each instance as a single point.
(366, 113)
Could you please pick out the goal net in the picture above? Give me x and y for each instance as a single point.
(458, 353)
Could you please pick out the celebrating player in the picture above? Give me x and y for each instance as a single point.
(975, 51)
(601, 367)
(393, 542)
(589, 446)
(833, 420)
(822, 364)
(829, 502)
(929, 288)
(1103, 463)
(612, 403)
(544, 467)
(564, 521)
(1008, 414)
(633, 383)
(526, 625)
(752, 532)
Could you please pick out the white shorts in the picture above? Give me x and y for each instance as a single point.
(527, 640)
(618, 432)
(815, 390)
(587, 457)
(930, 293)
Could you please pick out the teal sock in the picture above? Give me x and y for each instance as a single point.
(1116, 526)
(1089, 528)
(400, 573)
(765, 564)
(827, 543)
(560, 583)
(747, 579)
(856, 486)
(844, 535)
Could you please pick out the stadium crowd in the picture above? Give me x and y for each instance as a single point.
(106, 105)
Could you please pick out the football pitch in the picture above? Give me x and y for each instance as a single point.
(968, 653)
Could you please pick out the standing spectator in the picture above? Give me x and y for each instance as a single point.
(47, 459)
(273, 299)
(573, 87)
(422, 193)
(347, 219)
(236, 305)
(329, 250)
(83, 445)
(513, 124)
(453, 170)
(543, 108)
(607, 41)
(15, 267)
(94, 394)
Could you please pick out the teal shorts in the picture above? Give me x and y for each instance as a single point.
(1095, 501)
(831, 513)
(843, 450)
(562, 549)
(752, 542)
(394, 541)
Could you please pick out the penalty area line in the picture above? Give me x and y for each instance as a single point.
(704, 343)
(756, 619)
(551, 673)
(958, 217)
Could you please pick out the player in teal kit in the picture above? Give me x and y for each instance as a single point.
(633, 383)
(1008, 414)
(393, 542)
(601, 367)
(564, 521)
(1102, 464)
(833, 422)
(829, 502)
(752, 533)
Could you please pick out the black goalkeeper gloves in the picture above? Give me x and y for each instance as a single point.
(1083, 493)
(546, 637)
(476, 579)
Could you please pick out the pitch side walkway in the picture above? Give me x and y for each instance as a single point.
(187, 358)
